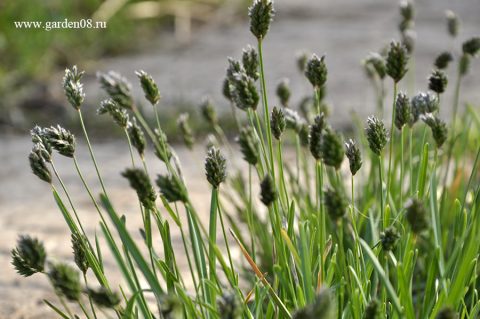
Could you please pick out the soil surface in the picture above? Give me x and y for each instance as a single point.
(346, 31)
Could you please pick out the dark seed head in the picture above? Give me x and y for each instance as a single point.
(119, 115)
(335, 204)
(103, 297)
(406, 10)
(29, 256)
(79, 246)
(464, 64)
(316, 71)
(302, 58)
(215, 167)
(389, 238)
(437, 82)
(376, 63)
(248, 145)
(304, 135)
(136, 136)
(283, 92)
(250, 62)
(332, 150)
(403, 111)
(354, 156)
(118, 88)
(453, 23)
(244, 92)
(140, 182)
(423, 103)
(186, 130)
(438, 127)
(66, 281)
(229, 306)
(39, 138)
(171, 189)
(323, 307)
(416, 215)
(377, 135)
(268, 193)
(72, 86)
(208, 112)
(372, 310)
(261, 15)
(446, 313)
(149, 87)
(397, 59)
(278, 123)
(38, 164)
(61, 140)
(442, 60)
(471, 46)
(226, 89)
(315, 136)
(163, 152)
(171, 307)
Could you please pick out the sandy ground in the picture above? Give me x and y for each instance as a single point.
(346, 31)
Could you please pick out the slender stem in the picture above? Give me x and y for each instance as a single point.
(250, 213)
(90, 298)
(401, 165)
(130, 148)
(392, 135)
(83, 309)
(382, 206)
(410, 162)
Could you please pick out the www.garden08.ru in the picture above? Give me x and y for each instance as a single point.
(65, 24)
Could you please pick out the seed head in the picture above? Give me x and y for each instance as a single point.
(171, 189)
(471, 46)
(72, 86)
(65, 279)
(226, 89)
(306, 105)
(377, 63)
(335, 204)
(29, 256)
(315, 136)
(377, 135)
(283, 92)
(416, 215)
(215, 167)
(316, 71)
(464, 64)
(332, 150)
(442, 60)
(208, 112)
(103, 297)
(323, 307)
(140, 182)
(79, 246)
(61, 140)
(438, 127)
(250, 62)
(186, 130)
(403, 110)
(304, 135)
(354, 156)
(261, 15)
(234, 67)
(163, 153)
(372, 310)
(244, 92)
(38, 164)
(268, 192)
(171, 307)
(136, 136)
(409, 36)
(248, 145)
(302, 58)
(446, 313)
(149, 87)
(406, 10)
(118, 88)
(397, 59)
(293, 120)
(453, 23)
(437, 82)
(389, 238)
(423, 103)
(41, 144)
(229, 307)
(119, 115)
(278, 123)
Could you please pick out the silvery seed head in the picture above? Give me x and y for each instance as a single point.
(211, 141)
(29, 256)
(248, 145)
(372, 310)
(471, 46)
(377, 64)
(438, 127)
(79, 246)
(66, 281)
(38, 164)
(403, 111)
(406, 10)
(163, 153)
(40, 142)
(331, 148)
(104, 297)
(140, 182)
(261, 15)
(186, 130)
(283, 92)
(234, 67)
(464, 64)
(302, 58)
(453, 23)
(136, 136)
(118, 88)
(335, 204)
(389, 238)
(215, 167)
(149, 87)
(315, 136)
(377, 135)
(397, 59)
(171, 188)
(354, 156)
(61, 140)
(244, 92)
(277, 122)
(409, 37)
(229, 307)
(268, 192)
(208, 111)
(323, 307)
(423, 103)
(442, 60)
(316, 71)
(119, 115)
(72, 86)
(437, 82)
(250, 62)
(416, 215)
(446, 313)
(293, 120)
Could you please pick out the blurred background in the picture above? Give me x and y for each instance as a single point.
(184, 45)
